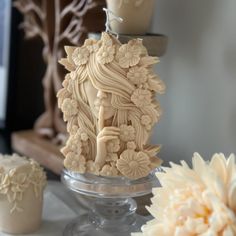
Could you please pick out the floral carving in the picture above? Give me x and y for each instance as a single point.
(157, 85)
(131, 145)
(80, 56)
(73, 144)
(133, 164)
(147, 61)
(17, 187)
(68, 61)
(106, 40)
(74, 129)
(113, 145)
(34, 177)
(92, 167)
(14, 183)
(127, 133)
(137, 75)
(91, 45)
(73, 76)
(200, 201)
(141, 97)
(112, 157)
(146, 121)
(84, 136)
(109, 170)
(69, 108)
(75, 162)
(5, 182)
(106, 54)
(129, 54)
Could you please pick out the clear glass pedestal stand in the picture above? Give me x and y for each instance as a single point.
(113, 209)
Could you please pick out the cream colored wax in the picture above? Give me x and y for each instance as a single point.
(21, 194)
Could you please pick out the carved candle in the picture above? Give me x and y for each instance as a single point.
(136, 15)
(21, 194)
(108, 101)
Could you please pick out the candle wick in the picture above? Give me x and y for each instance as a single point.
(111, 16)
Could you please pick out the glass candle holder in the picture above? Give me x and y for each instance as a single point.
(113, 210)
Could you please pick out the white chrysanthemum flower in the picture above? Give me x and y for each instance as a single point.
(195, 202)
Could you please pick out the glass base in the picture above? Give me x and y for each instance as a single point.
(112, 211)
(85, 225)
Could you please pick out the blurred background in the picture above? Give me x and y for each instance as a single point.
(199, 69)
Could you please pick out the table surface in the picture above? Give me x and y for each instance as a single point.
(60, 207)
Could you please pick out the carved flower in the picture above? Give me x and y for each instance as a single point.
(68, 61)
(73, 144)
(19, 182)
(92, 167)
(69, 108)
(112, 157)
(155, 84)
(137, 75)
(75, 162)
(84, 136)
(73, 75)
(108, 170)
(106, 39)
(146, 121)
(127, 133)
(129, 54)
(38, 178)
(92, 45)
(37, 174)
(4, 183)
(106, 54)
(74, 129)
(199, 201)
(141, 97)
(113, 145)
(131, 145)
(133, 165)
(80, 56)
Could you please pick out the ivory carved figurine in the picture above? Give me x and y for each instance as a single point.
(108, 101)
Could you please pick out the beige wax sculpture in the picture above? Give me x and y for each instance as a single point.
(21, 194)
(108, 101)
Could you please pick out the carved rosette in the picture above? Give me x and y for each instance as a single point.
(108, 101)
